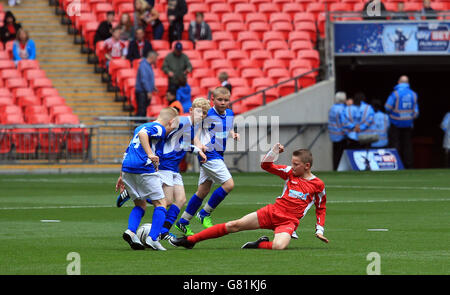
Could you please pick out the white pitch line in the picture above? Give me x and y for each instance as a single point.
(227, 204)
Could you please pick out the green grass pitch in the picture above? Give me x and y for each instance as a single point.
(414, 206)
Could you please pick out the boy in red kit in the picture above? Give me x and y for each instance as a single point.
(302, 189)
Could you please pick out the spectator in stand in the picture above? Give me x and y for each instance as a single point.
(126, 27)
(139, 47)
(13, 2)
(223, 78)
(176, 65)
(140, 7)
(427, 11)
(114, 47)
(104, 30)
(355, 119)
(445, 126)
(374, 10)
(199, 29)
(153, 26)
(176, 10)
(400, 14)
(23, 47)
(184, 94)
(9, 30)
(145, 83)
(173, 102)
(335, 129)
(402, 108)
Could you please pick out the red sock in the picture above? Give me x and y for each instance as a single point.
(213, 232)
(265, 245)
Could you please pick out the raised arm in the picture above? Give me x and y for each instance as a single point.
(268, 165)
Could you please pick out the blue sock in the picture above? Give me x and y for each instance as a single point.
(159, 215)
(217, 196)
(171, 216)
(135, 218)
(192, 207)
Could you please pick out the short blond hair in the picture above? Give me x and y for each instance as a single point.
(201, 102)
(221, 90)
(167, 114)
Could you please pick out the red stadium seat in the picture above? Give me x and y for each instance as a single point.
(6, 101)
(235, 56)
(158, 45)
(88, 32)
(40, 83)
(115, 65)
(220, 36)
(50, 101)
(299, 63)
(202, 73)
(199, 63)
(304, 17)
(12, 118)
(268, 8)
(292, 8)
(244, 8)
(231, 18)
(298, 36)
(216, 27)
(77, 140)
(306, 80)
(23, 101)
(209, 83)
(270, 36)
(238, 82)
(235, 28)
(284, 55)
(311, 55)
(16, 83)
(32, 74)
(226, 45)
(7, 64)
(280, 17)
(258, 56)
(340, 7)
(287, 87)
(310, 28)
(251, 74)
(413, 6)
(251, 45)
(5, 141)
(272, 64)
(5, 55)
(198, 7)
(220, 9)
(210, 55)
(240, 91)
(6, 110)
(162, 84)
(59, 109)
(252, 102)
(219, 64)
(43, 92)
(277, 73)
(283, 27)
(276, 45)
(10, 73)
(301, 45)
(202, 45)
(124, 74)
(5, 92)
(244, 36)
(100, 10)
(38, 119)
(261, 83)
(25, 140)
(255, 17)
(65, 118)
(258, 28)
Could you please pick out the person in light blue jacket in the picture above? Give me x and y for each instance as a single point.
(445, 126)
(23, 47)
(379, 126)
(403, 108)
(183, 94)
(335, 130)
(356, 118)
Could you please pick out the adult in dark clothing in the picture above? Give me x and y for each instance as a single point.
(427, 11)
(176, 10)
(175, 65)
(104, 30)
(199, 29)
(374, 10)
(400, 14)
(223, 78)
(139, 47)
(9, 30)
(145, 83)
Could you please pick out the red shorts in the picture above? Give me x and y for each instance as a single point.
(272, 217)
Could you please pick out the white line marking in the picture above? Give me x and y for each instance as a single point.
(377, 229)
(227, 204)
(50, 220)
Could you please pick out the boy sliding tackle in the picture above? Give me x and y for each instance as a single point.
(216, 129)
(139, 177)
(301, 190)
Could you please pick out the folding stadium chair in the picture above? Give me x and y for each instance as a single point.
(210, 55)
(25, 141)
(284, 55)
(258, 56)
(46, 91)
(299, 63)
(227, 45)
(37, 119)
(58, 109)
(301, 45)
(15, 83)
(262, 83)
(309, 28)
(158, 45)
(244, 8)
(252, 102)
(271, 36)
(287, 87)
(311, 55)
(232, 18)
(250, 74)
(292, 8)
(306, 80)
(275, 45)
(5, 92)
(7, 64)
(235, 28)
(280, 17)
(268, 8)
(40, 83)
(4, 101)
(298, 36)
(5, 55)
(50, 101)
(238, 82)
(32, 74)
(23, 101)
(202, 45)
(12, 118)
(258, 28)
(255, 17)
(202, 73)
(221, 36)
(220, 8)
(10, 74)
(235, 56)
(272, 64)
(303, 17)
(277, 73)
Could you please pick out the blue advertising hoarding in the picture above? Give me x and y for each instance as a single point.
(372, 159)
(392, 38)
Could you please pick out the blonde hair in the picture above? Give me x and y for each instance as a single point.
(201, 102)
(221, 91)
(167, 114)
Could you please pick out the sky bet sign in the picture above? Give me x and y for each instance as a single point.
(392, 38)
(370, 160)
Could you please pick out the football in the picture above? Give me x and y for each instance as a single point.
(143, 231)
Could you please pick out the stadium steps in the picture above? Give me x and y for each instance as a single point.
(70, 73)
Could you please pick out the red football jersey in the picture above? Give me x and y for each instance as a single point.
(299, 194)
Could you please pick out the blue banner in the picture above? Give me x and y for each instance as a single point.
(372, 159)
(392, 38)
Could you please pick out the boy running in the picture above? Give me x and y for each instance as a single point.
(302, 189)
(216, 128)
